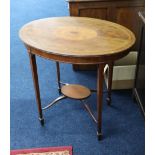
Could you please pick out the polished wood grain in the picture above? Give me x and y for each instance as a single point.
(75, 91)
(123, 12)
(36, 86)
(74, 36)
(76, 40)
(110, 75)
(58, 76)
(111, 10)
(100, 77)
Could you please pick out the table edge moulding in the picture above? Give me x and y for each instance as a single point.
(76, 40)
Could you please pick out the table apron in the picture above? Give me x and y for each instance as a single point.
(78, 59)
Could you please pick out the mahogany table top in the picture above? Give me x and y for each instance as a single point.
(77, 36)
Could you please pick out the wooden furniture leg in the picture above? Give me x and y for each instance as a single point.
(110, 75)
(100, 78)
(36, 85)
(58, 76)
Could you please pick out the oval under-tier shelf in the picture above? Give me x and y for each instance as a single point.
(75, 91)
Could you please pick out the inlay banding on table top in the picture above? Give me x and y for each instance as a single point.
(77, 36)
(76, 40)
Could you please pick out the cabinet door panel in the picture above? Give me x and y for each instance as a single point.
(100, 13)
(128, 17)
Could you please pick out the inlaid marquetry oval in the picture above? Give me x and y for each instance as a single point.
(74, 33)
(77, 36)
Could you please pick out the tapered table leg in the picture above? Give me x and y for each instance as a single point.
(36, 85)
(110, 82)
(58, 76)
(100, 79)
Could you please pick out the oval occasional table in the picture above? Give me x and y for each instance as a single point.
(76, 40)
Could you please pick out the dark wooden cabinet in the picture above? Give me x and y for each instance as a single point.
(139, 88)
(123, 12)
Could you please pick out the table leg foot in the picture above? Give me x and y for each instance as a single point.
(42, 122)
(99, 136)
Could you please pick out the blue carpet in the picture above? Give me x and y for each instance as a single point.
(66, 123)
